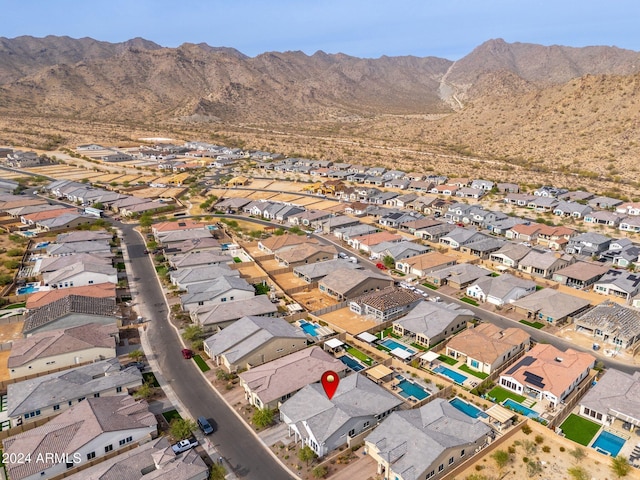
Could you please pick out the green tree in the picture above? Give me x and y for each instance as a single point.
(11, 264)
(320, 471)
(192, 332)
(179, 428)
(306, 454)
(5, 279)
(15, 252)
(620, 466)
(578, 473)
(136, 355)
(501, 458)
(146, 220)
(389, 262)
(263, 417)
(218, 472)
(145, 391)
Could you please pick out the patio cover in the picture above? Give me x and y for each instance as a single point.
(499, 413)
(367, 337)
(379, 371)
(400, 353)
(333, 343)
(429, 356)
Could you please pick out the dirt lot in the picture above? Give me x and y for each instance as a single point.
(313, 300)
(11, 331)
(555, 462)
(4, 369)
(587, 341)
(345, 319)
(289, 280)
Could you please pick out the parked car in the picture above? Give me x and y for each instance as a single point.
(204, 425)
(381, 266)
(184, 445)
(186, 353)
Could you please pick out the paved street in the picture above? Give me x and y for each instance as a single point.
(235, 442)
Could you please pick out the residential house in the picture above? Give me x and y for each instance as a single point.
(469, 192)
(418, 224)
(510, 254)
(70, 311)
(195, 245)
(367, 241)
(199, 259)
(525, 232)
(487, 347)
(444, 190)
(385, 305)
(215, 317)
(252, 341)
(305, 254)
(618, 283)
(589, 243)
(341, 221)
(179, 236)
(421, 265)
(398, 250)
(622, 253)
(357, 209)
(518, 199)
(555, 238)
(52, 394)
(270, 384)
(611, 323)
(31, 219)
(86, 432)
(40, 299)
(44, 265)
(435, 232)
(315, 272)
(548, 191)
(483, 247)
(80, 274)
(508, 188)
(580, 274)
(543, 204)
(544, 264)
(396, 219)
(458, 276)
(431, 322)
(94, 247)
(629, 208)
(345, 283)
(232, 205)
(604, 217)
(272, 244)
(218, 290)
(183, 278)
(84, 236)
(550, 306)
(548, 374)
(158, 229)
(63, 348)
(614, 397)
(307, 217)
(427, 442)
(571, 209)
(501, 290)
(630, 224)
(485, 185)
(346, 233)
(459, 237)
(604, 203)
(65, 222)
(326, 424)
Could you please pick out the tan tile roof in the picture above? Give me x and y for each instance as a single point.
(299, 253)
(180, 225)
(557, 375)
(429, 260)
(34, 217)
(376, 238)
(40, 299)
(488, 342)
(72, 429)
(583, 270)
(279, 241)
(523, 229)
(58, 342)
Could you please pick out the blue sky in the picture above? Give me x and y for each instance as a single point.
(371, 28)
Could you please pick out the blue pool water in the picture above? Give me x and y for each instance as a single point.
(211, 227)
(513, 405)
(27, 289)
(351, 363)
(608, 443)
(453, 375)
(309, 328)
(410, 389)
(42, 245)
(392, 344)
(467, 408)
(28, 233)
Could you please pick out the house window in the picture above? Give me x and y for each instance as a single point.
(366, 424)
(124, 441)
(200, 303)
(440, 467)
(279, 350)
(81, 399)
(90, 282)
(69, 465)
(223, 299)
(91, 455)
(96, 395)
(108, 448)
(352, 432)
(231, 298)
(462, 453)
(56, 407)
(450, 460)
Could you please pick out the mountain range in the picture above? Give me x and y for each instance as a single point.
(514, 102)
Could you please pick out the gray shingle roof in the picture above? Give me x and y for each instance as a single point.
(229, 311)
(67, 305)
(432, 318)
(615, 392)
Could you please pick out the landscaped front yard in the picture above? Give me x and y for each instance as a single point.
(579, 429)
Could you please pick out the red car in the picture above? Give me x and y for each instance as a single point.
(381, 266)
(186, 353)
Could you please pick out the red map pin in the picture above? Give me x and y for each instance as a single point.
(330, 381)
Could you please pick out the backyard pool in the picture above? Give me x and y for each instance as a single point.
(309, 328)
(453, 375)
(351, 363)
(467, 408)
(608, 443)
(392, 345)
(28, 288)
(410, 389)
(526, 411)
(41, 245)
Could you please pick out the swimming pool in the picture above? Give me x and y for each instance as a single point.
(392, 344)
(351, 363)
(608, 443)
(453, 375)
(513, 405)
(410, 389)
(467, 408)
(28, 288)
(309, 328)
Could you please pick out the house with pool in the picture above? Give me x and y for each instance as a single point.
(358, 405)
(387, 304)
(425, 443)
(616, 396)
(431, 322)
(548, 374)
(487, 347)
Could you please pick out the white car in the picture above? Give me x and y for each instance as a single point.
(184, 445)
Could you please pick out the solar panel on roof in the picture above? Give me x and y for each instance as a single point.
(534, 379)
(525, 362)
